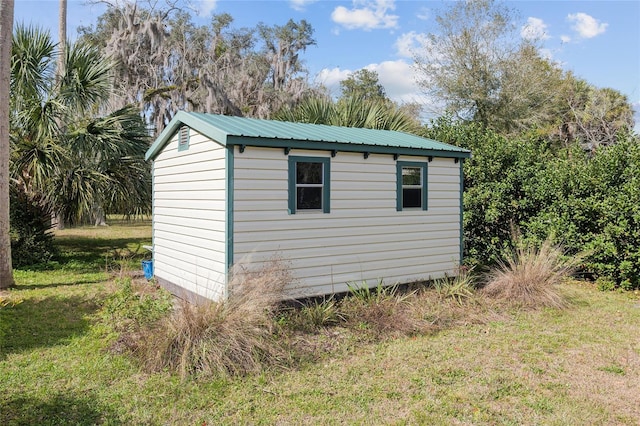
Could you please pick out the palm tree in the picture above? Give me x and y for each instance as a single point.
(350, 112)
(6, 29)
(77, 161)
(106, 171)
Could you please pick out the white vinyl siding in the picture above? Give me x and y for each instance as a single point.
(189, 216)
(363, 237)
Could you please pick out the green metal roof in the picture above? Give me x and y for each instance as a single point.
(228, 130)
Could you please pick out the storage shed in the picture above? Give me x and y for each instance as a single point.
(338, 204)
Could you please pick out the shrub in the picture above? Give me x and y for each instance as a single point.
(30, 231)
(530, 276)
(593, 202)
(229, 338)
(498, 190)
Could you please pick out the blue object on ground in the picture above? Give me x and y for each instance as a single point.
(147, 268)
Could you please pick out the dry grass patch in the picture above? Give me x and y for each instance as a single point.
(229, 338)
(531, 276)
(381, 311)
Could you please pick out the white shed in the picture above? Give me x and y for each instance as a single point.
(338, 204)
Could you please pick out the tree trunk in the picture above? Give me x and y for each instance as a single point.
(62, 36)
(6, 31)
(99, 218)
(56, 218)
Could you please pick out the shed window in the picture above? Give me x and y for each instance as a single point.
(309, 184)
(411, 185)
(183, 138)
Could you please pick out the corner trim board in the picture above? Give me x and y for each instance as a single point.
(461, 211)
(229, 166)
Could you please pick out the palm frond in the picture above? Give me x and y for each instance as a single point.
(350, 112)
(87, 80)
(33, 56)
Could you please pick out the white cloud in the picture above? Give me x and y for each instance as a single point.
(565, 38)
(409, 44)
(205, 7)
(331, 78)
(585, 25)
(546, 54)
(424, 13)
(398, 80)
(300, 5)
(534, 29)
(366, 14)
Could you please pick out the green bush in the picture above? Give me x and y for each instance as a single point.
(593, 203)
(590, 202)
(30, 231)
(498, 188)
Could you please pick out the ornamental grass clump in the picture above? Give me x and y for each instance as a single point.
(234, 337)
(380, 310)
(459, 288)
(531, 276)
(314, 315)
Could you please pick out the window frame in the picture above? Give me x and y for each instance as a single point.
(326, 183)
(424, 181)
(184, 136)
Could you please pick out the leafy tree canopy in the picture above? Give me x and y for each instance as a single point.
(166, 63)
(363, 84)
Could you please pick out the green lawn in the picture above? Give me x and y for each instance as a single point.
(576, 366)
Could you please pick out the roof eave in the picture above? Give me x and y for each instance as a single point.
(344, 147)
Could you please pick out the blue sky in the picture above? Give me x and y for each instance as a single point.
(598, 40)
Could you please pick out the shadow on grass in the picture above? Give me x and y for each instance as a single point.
(89, 253)
(56, 410)
(54, 285)
(44, 322)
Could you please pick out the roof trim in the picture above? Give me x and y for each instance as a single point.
(174, 125)
(344, 147)
(199, 123)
